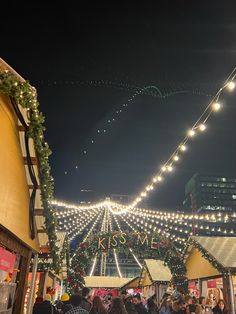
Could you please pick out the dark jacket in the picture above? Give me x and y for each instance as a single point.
(44, 308)
(129, 306)
(86, 305)
(217, 310)
(140, 308)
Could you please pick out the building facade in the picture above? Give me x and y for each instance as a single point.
(210, 193)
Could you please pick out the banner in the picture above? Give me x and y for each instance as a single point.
(7, 260)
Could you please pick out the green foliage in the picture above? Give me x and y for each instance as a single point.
(25, 96)
(164, 250)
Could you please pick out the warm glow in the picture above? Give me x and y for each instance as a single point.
(159, 178)
(163, 168)
(183, 147)
(170, 168)
(216, 106)
(176, 158)
(231, 85)
(202, 127)
(191, 133)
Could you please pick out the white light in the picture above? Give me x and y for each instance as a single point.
(143, 194)
(231, 85)
(148, 188)
(159, 178)
(191, 133)
(176, 158)
(183, 148)
(163, 168)
(202, 127)
(216, 106)
(170, 168)
(154, 180)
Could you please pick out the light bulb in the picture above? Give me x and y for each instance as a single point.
(183, 147)
(176, 158)
(154, 180)
(191, 133)
(163, 168)
(231, 85)
(159, 178)
(216, 106)
(202, 127)
(170, 168)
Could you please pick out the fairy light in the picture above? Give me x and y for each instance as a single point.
(231, 85)
(117, 264)
(202, 127)
(183, 148)
(191, 133)
(93, 266)
(216, 106)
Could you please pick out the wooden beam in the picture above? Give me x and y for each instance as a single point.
(21, 128)
(38, 212)
(30, 186)
(41, 231)
(33, 161)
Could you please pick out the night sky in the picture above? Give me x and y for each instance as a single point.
(86, 63)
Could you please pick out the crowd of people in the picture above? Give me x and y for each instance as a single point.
(84, 303)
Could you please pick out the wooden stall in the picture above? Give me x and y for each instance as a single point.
(211, 269)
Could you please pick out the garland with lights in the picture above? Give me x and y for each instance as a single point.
(24, 95)
(154, 246)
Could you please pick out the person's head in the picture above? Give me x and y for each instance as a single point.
(47, 297)
(117, 305)
(188, 300)
(202, 301)
(75, 300)
(85, 292)
(97, 304)
(65, 297)
(137, 298)
(221, 304)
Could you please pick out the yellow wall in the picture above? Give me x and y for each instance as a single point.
(14, 193)
(198, 267)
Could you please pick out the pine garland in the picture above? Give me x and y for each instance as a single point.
(164, 251)
(25, 96)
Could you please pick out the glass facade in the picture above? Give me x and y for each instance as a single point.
(210, 193)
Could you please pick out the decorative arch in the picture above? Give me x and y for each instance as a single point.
(144, 245)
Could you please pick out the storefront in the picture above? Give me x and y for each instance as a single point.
(211, 269)
(22, 214)
(154, 279)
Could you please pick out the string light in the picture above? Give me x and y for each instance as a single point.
(216, 106)
(231, 85)
(202, 127)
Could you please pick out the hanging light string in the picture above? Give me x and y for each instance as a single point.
(118, 225)
(199, 125)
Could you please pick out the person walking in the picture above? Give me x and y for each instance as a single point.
(140, 308)
(98, 307)
(220, 308)
(76, 301)
(117, 307)
(86, 303)
(45, 307)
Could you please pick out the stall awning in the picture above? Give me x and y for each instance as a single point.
(210, 256)
(154, 271)
(131, 284)
(105, 282)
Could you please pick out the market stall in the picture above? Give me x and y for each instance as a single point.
(102, 285)
(155, 278)
(211, 269)
(24, 204)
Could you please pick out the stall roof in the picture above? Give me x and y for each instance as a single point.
(105, 282)
(154, 271)
(222, 249)
(131, 284)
